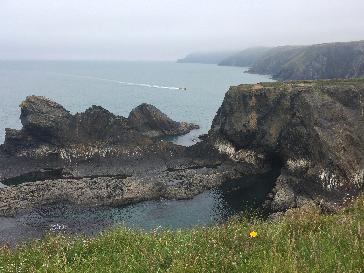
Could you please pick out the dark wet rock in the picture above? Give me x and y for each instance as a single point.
(150, 121)
(314, 130)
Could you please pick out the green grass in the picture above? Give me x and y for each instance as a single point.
(301, 242)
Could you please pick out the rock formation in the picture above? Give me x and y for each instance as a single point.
(98, 159)
(312, 132)
(315, 130)
(47, 122)
(150, 121)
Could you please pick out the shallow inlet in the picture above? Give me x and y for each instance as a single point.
(206, 85)
(245, 195)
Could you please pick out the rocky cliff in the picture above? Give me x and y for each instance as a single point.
(313, 130)
(96, 158)
(272, 61)
(325, 61)
(322, 61)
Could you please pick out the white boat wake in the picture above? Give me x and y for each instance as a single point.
(126, 83)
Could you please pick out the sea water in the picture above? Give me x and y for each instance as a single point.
(121, 86)
(185, 92)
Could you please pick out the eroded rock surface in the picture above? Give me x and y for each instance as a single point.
(150, 121)
(98, 159)
(311, 130)
(314, 129)
(46, 122)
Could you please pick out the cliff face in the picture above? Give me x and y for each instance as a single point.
(96, 158)
(274, 59)
(326, 61)
(314, 130)
(310, 131)
(322, 61)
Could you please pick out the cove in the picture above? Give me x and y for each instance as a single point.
(242, 196)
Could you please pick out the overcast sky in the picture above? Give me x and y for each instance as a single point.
(168, 29)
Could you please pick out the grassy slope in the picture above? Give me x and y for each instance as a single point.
(302, 242)
(320, 61)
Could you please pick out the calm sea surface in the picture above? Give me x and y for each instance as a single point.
(119, 87)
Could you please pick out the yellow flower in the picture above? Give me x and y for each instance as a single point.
(253, 234)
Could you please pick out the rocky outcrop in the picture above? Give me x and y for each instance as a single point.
(114, 191)
(150, 121)
(46, 122)
(314, 130)
(311, 131)
(98, 159)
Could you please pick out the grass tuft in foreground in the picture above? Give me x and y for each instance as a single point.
(301, 242)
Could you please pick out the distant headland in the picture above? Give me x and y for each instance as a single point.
(320, 61)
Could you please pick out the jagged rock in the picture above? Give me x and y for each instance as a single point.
(46, 122)
(98, 159)
(284, 196)
(314, 129)
(112, 190)
(45, 119)
(150, 121)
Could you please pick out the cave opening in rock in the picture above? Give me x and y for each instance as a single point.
(248, 195)
(40, 175)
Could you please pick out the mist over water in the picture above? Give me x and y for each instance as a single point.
(168, 30)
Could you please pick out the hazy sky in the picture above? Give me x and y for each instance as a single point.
(168, 29)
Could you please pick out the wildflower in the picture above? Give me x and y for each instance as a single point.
(253, 234)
